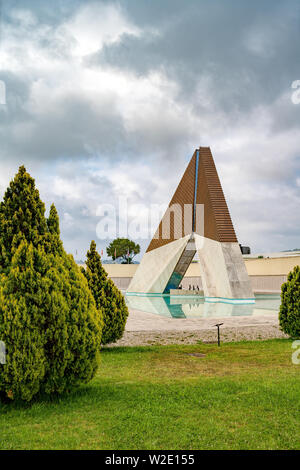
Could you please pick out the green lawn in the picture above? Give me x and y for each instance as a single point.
(239, 396)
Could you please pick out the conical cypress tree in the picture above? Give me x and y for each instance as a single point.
(22, 217)
(73, 329)
(59, 316)
(289, 314)
(83, 332)
(108, 298)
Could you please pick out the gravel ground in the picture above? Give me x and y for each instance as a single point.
(144, 329)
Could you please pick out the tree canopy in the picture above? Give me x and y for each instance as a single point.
(123, 248)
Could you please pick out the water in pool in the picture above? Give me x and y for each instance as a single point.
(197, 307)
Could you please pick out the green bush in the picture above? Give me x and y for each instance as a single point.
(109, 299)
(48, 317)
(289, 314)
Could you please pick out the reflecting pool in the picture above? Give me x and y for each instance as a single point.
(197, 307)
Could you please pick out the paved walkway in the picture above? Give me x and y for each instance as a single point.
(144, 328)
(144, 321)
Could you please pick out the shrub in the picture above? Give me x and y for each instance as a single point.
(289, 314)
(48, 317)
(109, 300)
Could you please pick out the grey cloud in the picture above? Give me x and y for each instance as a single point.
(72, 129)
(209, 39)
(232, 63)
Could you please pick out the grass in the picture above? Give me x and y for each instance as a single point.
(240, 396)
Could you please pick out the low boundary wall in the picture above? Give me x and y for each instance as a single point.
(266, 274)
(260, 284)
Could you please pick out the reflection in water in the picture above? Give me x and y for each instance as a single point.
(196, 307)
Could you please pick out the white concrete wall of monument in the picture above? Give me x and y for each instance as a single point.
(223, 267)
(266, 274)
(223, 270)
(157, 267)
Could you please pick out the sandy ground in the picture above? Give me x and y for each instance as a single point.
(143, 329)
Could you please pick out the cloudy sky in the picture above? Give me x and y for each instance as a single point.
(108, 99)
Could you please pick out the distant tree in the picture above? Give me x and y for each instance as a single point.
(109, 300)
(289, 314)
(48, 317)
(124, 249)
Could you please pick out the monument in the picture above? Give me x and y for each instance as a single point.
(197, 220)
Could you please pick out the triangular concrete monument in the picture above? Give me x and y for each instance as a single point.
(197, 220)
